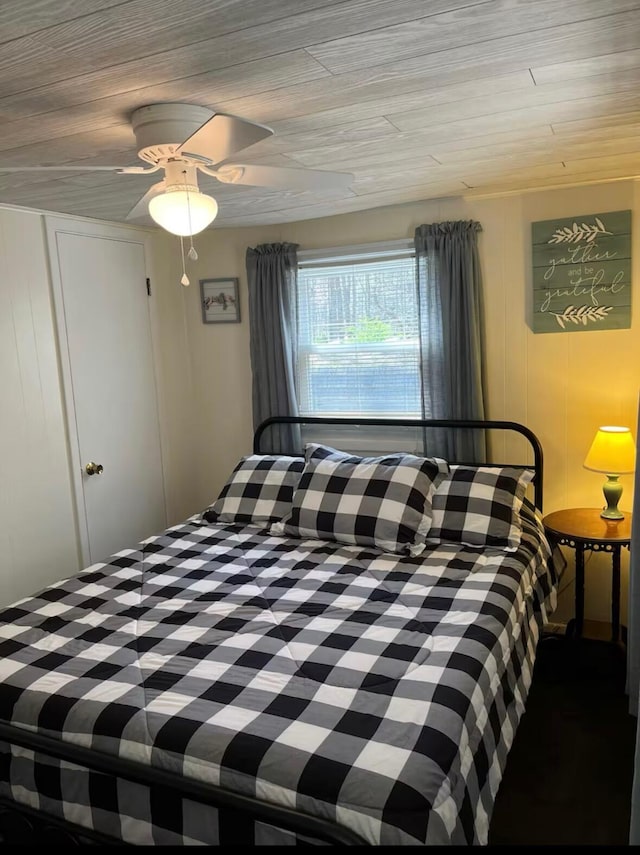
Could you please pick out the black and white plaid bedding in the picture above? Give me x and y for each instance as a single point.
(378, 691)
(382, 502)
(259, 490)
(480, 506)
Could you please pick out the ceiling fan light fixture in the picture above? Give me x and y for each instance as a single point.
(184, 139)
(183, 212)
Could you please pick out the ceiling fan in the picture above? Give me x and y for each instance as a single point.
(184, 139)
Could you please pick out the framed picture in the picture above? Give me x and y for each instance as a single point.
(220, 301)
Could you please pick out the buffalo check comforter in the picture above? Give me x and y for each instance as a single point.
(377, 691)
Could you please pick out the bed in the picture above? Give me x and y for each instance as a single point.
(225, 683)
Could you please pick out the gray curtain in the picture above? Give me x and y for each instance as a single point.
(272, 275)
(633, 644)
(450, 305)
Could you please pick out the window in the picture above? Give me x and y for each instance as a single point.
(358, 349)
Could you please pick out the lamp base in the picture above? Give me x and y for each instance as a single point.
(611, 515)
(612, 490)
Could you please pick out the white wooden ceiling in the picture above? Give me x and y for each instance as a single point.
(417, 98)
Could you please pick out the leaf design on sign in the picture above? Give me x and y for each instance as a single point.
(581, 315)
(576, 233)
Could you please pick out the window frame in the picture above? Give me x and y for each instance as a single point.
(348, 255)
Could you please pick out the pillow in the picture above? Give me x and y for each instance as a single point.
(480, 506)
(259, 490)
(315, 451)
(383, 502)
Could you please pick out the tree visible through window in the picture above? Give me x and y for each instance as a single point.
(358, 350)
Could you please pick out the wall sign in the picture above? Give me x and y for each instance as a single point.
(582, 273)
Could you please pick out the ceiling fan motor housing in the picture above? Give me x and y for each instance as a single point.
(161, 129)
(180, 175)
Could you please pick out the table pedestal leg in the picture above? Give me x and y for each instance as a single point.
(579, 590)
(615, 594)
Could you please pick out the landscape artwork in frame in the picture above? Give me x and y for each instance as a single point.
(220, 301)
(582, 273)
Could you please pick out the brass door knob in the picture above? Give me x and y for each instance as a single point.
(94, 468)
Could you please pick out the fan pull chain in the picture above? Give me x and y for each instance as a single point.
(193, 255)
(185, 279)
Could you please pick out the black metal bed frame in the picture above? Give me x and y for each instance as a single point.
(455, 424)
(23, 824)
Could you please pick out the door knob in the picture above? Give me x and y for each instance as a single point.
(94, 468)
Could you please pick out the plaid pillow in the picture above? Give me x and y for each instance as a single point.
(480, 506)
(383, 502)
(259, 490)
(315, 451)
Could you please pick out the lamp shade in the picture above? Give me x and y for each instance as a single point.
(612, 451)
(183, 212)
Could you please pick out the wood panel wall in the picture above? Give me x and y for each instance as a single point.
(38, 542)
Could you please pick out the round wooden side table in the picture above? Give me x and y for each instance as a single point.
(584, 528)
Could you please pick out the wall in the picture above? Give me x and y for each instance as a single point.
(168, 307)
(38, 543)
(563, 385)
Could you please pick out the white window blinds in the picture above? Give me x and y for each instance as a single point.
(358, 349)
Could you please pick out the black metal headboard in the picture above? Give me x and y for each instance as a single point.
(454, 424)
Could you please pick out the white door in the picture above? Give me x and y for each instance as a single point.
(106, 355)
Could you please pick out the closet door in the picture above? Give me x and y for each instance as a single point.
(99, 279)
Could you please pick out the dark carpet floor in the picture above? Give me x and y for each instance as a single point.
(569, 773)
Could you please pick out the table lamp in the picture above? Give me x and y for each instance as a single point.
(612, 452)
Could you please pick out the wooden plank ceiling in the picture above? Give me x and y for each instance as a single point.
(417, 98)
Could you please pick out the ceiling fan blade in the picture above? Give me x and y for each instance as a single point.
(60, 168)
(223, 136)
(141, 208)
(282, 178)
